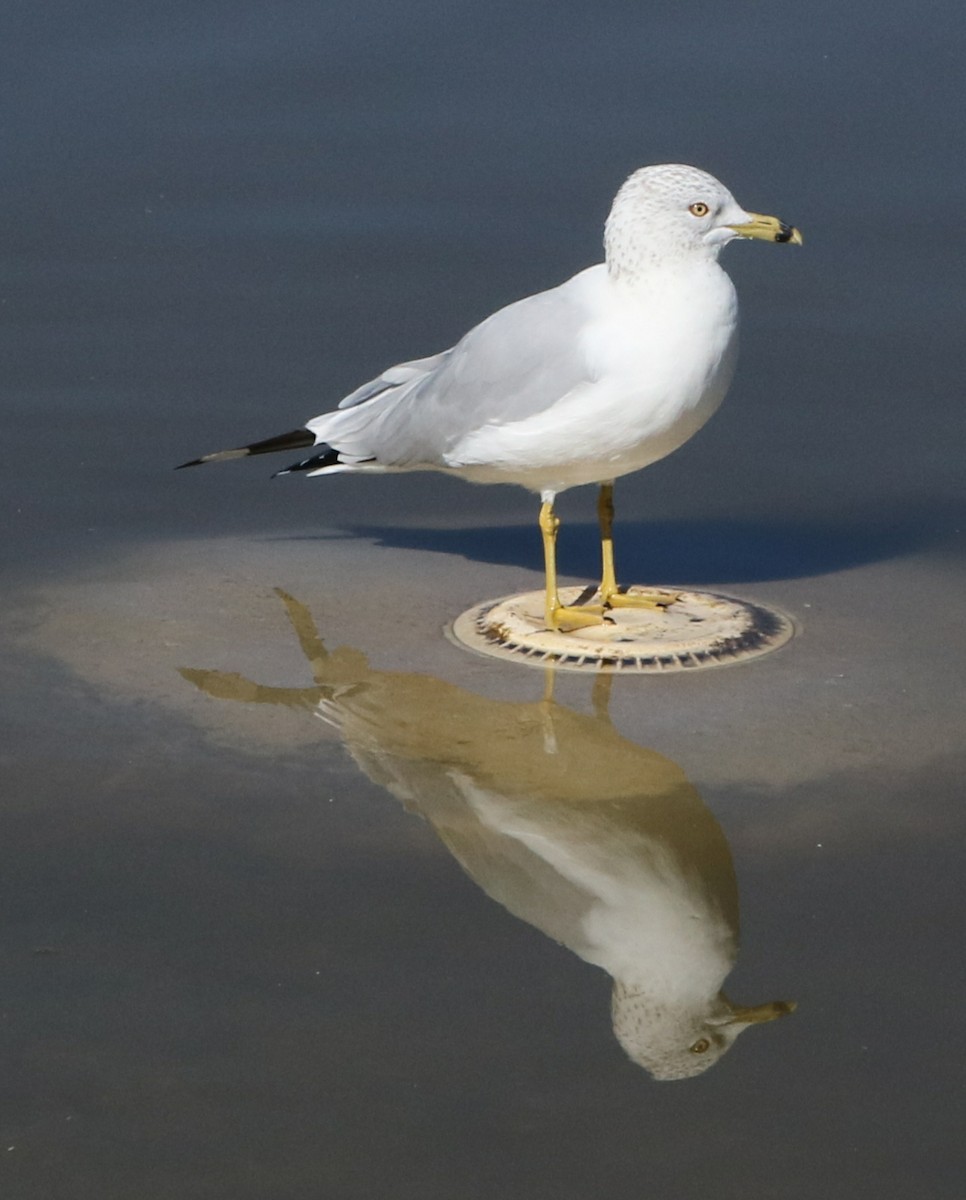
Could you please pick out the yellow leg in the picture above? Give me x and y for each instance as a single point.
(557, 615)
(605, 517)
(610, 594)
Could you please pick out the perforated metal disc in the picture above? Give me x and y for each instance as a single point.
(696, 629)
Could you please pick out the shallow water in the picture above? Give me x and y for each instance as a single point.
(300, 899)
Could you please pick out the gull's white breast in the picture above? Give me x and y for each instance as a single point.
(659, 358)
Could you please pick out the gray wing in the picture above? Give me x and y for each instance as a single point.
(391, 378)
(513, 365)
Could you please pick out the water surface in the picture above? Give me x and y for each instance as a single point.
(302, 900)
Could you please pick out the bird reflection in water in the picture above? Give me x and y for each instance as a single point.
(599, 843)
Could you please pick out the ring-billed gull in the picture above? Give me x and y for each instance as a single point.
(589, 381)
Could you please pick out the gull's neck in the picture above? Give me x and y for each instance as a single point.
(637, 251)
(639, 265)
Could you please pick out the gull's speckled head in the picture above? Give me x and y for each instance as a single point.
(671, 211)
(682, 1036)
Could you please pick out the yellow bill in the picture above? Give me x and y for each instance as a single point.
(768, 229)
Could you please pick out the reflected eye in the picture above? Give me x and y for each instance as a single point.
(700, 1046)
(699, 209)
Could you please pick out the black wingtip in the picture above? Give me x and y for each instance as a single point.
(327, 457)
(296, 439)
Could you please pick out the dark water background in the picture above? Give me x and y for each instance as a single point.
(217, 219)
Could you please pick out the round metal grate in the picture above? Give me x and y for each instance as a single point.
(696, 629)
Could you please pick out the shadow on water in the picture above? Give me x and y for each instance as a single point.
(696, 551)
(599, 843)
(689, 552)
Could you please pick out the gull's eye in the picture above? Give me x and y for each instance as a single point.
(699, 209)
(702, 1045)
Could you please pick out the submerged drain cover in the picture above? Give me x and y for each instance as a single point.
(698, 629)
